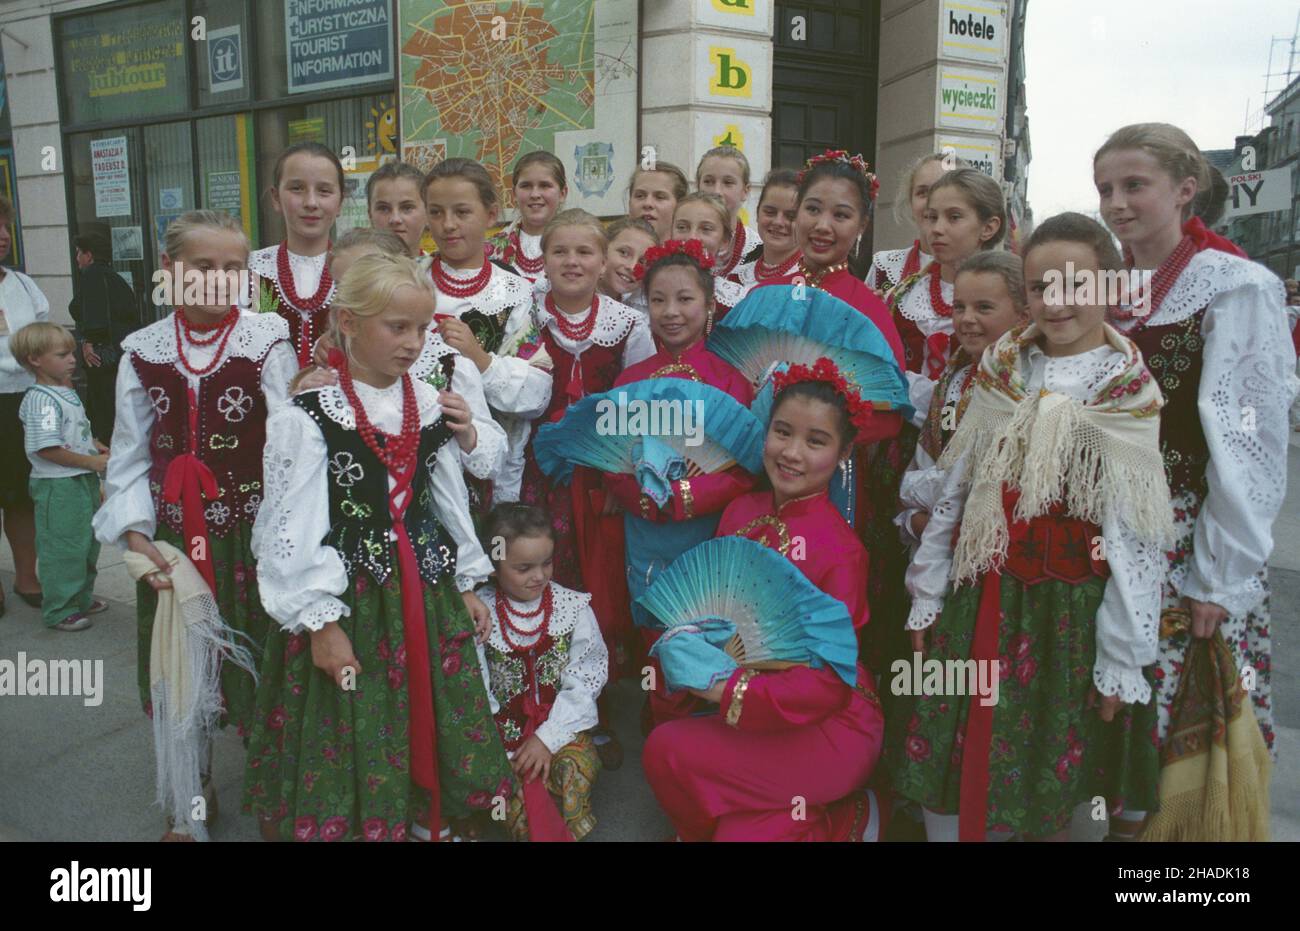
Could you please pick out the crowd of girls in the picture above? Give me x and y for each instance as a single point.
(414, 623)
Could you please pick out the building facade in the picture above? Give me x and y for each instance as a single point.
(1268, 236)
(118, 115)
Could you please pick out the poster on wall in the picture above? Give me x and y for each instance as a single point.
(354, 212)
(337, 43)
(110, 168)
(128, 243)
(560, 75)
(225, 60)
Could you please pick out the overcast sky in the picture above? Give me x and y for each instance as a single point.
(1093, 67)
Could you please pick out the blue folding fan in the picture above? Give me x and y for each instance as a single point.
(733, 602)
(641, 428)
(798, 324)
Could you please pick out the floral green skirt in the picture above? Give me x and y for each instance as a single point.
(1049, 752)
(241, 609)
(335, 765)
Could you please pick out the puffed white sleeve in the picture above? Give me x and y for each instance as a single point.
(128, 503)
(1128, 620)
(927, 577)
(920, 488)
(278, 369)
(640, 344)
(298, 576)
(513, 385)
(584, 676)
(489, 454)
(1247, 384)
(451, 507)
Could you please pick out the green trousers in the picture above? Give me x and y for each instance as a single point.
(66, 548)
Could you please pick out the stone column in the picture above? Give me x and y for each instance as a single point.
(706, 69)
(943, 72)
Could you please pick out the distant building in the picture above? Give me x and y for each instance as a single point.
(1269, 238)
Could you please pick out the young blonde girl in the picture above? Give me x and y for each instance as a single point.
(1055, 480)
(194, 394)
(294, 282)
(539, 187)
(372, 720)
(704, 217)
(724, 172)
(653, 194)
(1212, 328)
(481, 439)
(776, 214)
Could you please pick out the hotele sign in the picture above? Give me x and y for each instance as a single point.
(972, 30)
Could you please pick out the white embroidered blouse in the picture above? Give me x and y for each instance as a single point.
(1247, 384)
(1128, 619)
(916, 306)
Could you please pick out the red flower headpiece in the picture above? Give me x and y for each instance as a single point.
(691, 247)
(856, 162)
(824, 370)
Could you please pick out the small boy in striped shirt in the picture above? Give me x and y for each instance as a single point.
(66, 462)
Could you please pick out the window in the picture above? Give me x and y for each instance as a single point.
(107, 176)
(125, 63)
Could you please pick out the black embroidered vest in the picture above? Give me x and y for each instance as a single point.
(358, 493)
(1173, 353)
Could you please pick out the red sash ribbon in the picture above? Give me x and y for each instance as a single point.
(189, 482)
(972, 817)
(545, 824)
(424, 736)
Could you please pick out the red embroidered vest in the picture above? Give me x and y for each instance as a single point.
(1051, 546)
(1173, 354)
(600, 366)
(232, 432)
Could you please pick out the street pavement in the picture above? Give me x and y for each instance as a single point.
(69, 772)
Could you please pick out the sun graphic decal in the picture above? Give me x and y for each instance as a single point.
(381, 129)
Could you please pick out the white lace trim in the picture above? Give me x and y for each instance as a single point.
(504, 290)
(566, 610)
(1209, 274)
(953, 395)
(1079, 376)
(334, 403)
(435, 348)
(727, 292)
(1129, 684)
(614, 321)
(253, 338)
(316, 616)
(263, 263)
(915, 306)
(924, 612)
(891, 262)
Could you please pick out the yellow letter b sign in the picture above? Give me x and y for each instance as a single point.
(730, 76)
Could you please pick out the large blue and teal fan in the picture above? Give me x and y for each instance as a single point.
(733, 602)
(798, 325)
(641, 429)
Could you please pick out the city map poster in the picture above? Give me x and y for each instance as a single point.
(492, 81)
